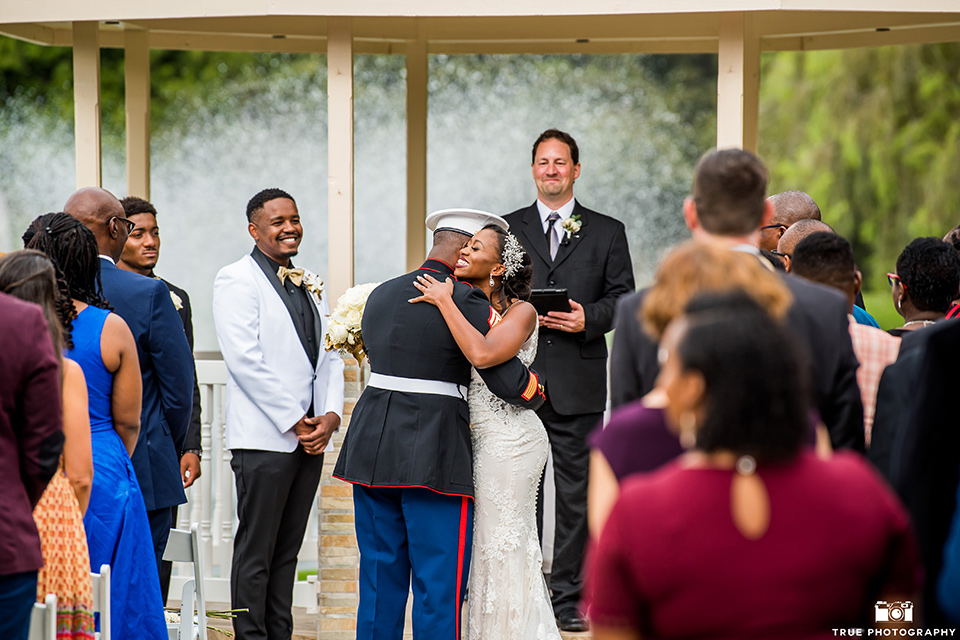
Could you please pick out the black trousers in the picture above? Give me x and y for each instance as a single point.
(160, 522)
(571, 468)
(166, 567)
(275, 492)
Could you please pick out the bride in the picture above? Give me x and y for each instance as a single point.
(507, 595)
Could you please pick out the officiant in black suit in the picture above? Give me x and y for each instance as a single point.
(586, 253)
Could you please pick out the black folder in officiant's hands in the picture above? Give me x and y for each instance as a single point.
(546, 300)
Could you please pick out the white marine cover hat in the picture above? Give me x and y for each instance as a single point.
(465, 221)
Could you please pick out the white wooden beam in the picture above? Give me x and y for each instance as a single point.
(86, 96)
(136, 70)
(340, 154)
(738, 82)
(417, 72)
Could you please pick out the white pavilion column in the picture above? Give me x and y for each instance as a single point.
(86, 99)
(417, 71)
(340, 156)
(136, 70)
(738, 82)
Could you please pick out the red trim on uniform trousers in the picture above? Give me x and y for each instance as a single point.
(461, 549)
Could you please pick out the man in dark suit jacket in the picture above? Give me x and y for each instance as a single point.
(586, 253)
(916, 445)
(31, 439)
(166, 362)
(140, 255)
(408, 452)
(727, 207)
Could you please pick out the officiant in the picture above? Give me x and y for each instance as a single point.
(284, 401)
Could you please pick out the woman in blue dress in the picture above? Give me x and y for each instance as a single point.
(118, 533)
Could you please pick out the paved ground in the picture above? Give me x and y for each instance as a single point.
(305, 626)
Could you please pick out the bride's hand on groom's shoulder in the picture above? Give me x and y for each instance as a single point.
(432, 289)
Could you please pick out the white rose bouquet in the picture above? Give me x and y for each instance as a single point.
(343, 329)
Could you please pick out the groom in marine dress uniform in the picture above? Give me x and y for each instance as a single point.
(407, 451)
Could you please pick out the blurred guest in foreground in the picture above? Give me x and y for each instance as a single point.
(637, 439)
(727, 208)
(31, 439)
(771, 541)
(828, 259)
(118, 532)
(925, 284)
(29, 275)
(925, 455)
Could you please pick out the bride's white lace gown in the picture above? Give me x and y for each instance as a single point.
(507, 598)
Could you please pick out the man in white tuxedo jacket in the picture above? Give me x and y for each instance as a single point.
(284, 401)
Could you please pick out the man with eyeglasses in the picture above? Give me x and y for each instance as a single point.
(797, 232)
(788, 208)
(166, 362)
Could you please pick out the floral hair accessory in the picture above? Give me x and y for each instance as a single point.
(512, 256)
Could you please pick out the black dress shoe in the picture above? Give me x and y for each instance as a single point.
(572, 621)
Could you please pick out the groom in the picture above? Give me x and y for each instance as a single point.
(407, 451)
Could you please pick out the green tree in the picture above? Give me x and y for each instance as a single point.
(874, 136)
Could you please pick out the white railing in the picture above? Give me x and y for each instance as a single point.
(212, 504)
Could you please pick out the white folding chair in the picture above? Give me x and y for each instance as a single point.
(184, 546)
(101, 599)
(43, 619)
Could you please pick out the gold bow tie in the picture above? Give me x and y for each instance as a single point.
(295, 275)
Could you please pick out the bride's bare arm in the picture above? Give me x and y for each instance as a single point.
(501, 343)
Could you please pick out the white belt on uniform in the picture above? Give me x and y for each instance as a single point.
(417, 385)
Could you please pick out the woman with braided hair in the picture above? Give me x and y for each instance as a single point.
(508, 595)
(118, 532)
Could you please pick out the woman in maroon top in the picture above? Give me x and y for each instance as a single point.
(748, 535)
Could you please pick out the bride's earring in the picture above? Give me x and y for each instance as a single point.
(492, 283)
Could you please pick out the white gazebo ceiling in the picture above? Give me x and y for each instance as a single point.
(501, 26)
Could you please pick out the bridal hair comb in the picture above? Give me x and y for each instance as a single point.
(512, 255)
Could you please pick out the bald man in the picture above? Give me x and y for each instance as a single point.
(793, 235)
(166, 364)
(788, 208)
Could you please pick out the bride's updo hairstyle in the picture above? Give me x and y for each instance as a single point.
(516, 282)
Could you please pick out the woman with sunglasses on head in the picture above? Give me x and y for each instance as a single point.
(925, 284)
(118, 532)
(748, 534)
(29, 275)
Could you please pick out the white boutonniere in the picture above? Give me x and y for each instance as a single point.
(571, 225)
(177, 302)
(314, 285)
